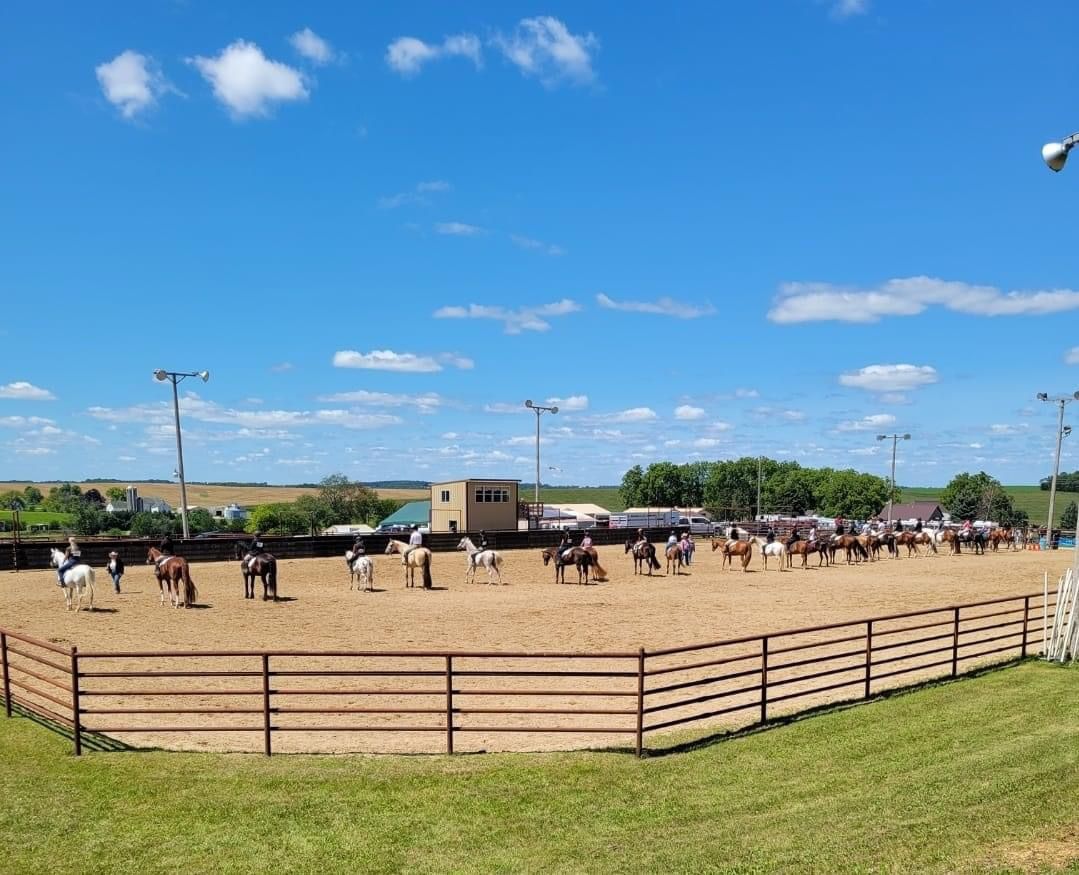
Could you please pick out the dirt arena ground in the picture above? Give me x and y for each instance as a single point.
(531, 613)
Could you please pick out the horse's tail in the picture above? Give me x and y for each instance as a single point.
(598, 570)
(191, 592)
(427, 582)
(859, 547)
(653, 561)
(271, 577)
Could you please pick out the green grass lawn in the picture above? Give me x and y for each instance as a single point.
(35, 517)
(604, 496)
(1029, 498)
(976, 775)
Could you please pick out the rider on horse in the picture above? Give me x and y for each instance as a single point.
(586, 541)
(794, 538)
(770, 535)
(414, 540)
(565, 545)
(254, 549)
(72, 557)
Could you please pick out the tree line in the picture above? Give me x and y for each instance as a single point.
(729, 490)
(1067, 481)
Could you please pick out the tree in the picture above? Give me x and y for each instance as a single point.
(630, 490)
(87, 519)
(63, 499)
(851, 495)
(94, 496)
(1068, 518)
(116, 493)
(1067, 481)
(33, 496)
(282, 518)
(791, 489)
(694, 478)
(200, 520)
(661, 485)
(150, 525)
(731, 488)
(345, 500)
(12, 500)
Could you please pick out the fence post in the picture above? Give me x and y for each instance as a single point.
(267, 746)
(764, 679)
(955, 642)
(1026, 614)
(76, 721)
(640, 702)
(7, 679)
(449, 704)
(868, 656)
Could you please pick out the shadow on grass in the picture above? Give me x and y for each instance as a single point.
(720, 737)
(90, 740)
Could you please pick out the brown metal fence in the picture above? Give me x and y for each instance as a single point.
(268, 694)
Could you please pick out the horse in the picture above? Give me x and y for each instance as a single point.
(263, 566)
(489, 559)
(947, 536)
(871, 544)
(674, 558)
(849, 544)
(978, 541)
(77, 579)
(998, 536)
(598, 571)
(803, 549)
(362, 567)
(644, 556)
(173, 575)
(776, 549)
(923, 538)
(742, 549)
(573, 556)
(412, 558)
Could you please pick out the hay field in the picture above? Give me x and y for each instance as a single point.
(213, 494)
(529, 614)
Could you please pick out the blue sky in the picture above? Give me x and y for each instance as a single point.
(711, 230)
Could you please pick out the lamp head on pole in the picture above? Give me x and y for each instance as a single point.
(1067, 430)
(554, 409)
(528, 403)
(882, 437)
(161, 375)
(906, 437)
(1055, 155)
(1043, 396)
(203, 375)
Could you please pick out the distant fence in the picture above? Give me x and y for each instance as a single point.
(266, 694)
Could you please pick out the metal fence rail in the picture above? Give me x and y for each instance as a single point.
(733, 682)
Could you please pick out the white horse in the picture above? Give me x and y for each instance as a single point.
(363, 568)
(77, 579)
(776, 549)
(489, 559)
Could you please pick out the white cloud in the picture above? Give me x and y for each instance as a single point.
(634, 414)
(312, 46)
(407, 54)
(814, 302)
(720, 425)
(281, 367)
(514, 321)
(24, 422)
(544, 47)
(34, 451)
(526, 440)
(746, 393)
(894, 398)
(503, 407)
(864, 451)
(427, 402)
(874, 422)
(23, 391)
(706, 443)
(1000, 428)
(849, 8)
(687, 412)
(571, 403)
(1071, 357)
(663, 307)
(537, 245)
(131, 82)
(388, 360)
(458, 229)
(774, 412)
(890, 378)
(416, 196)
(248, 82)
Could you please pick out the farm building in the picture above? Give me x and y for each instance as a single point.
(927, 511)
(416, 513)
(592, 513)
(471, 505)
(348, 529)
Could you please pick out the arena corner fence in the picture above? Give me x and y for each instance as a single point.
(741, 681)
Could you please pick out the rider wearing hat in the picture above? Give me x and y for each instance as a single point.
(72, 557)
(254, 548)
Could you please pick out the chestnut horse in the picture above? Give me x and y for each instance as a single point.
(804, 549)
(173, 575)
(742, 549)
(674, 558)
(582, 559)
(849, 544)
(644, 557)
(262, 566)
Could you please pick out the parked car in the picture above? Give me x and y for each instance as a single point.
(698, 525)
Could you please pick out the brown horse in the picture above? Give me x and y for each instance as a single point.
(871, 545)
(804, 549)
(173, 575)
(644, 557)
(949, 537)
(577, 556)
(598, 571)
(674, 558)
(264, 567)
(850, 545)
(742, 549)
(999, 536)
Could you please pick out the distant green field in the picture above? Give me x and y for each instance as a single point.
(1029, 498)
(36, 517)
(604, 496)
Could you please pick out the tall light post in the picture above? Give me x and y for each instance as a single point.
(539, 410)
(896, 438)
(176, 377)
(759, 460)
(1059, 401)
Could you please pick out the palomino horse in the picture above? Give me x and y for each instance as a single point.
(360, 566)
(849, 544)
(804, 549)
(77, 580)
(173, 575)
(776, 549)
(489, 559)
(742, 549)
(644, 557)
(412, 558)
(573, 556)
(674, 558)
(262, 566)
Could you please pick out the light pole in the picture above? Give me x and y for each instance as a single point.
(896, 438)
(759, 458)
(1055, 154)
(176, 377)
(539, 410)
(1059, 401)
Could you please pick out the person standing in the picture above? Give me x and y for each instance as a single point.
(116, 569)
(687, 548)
